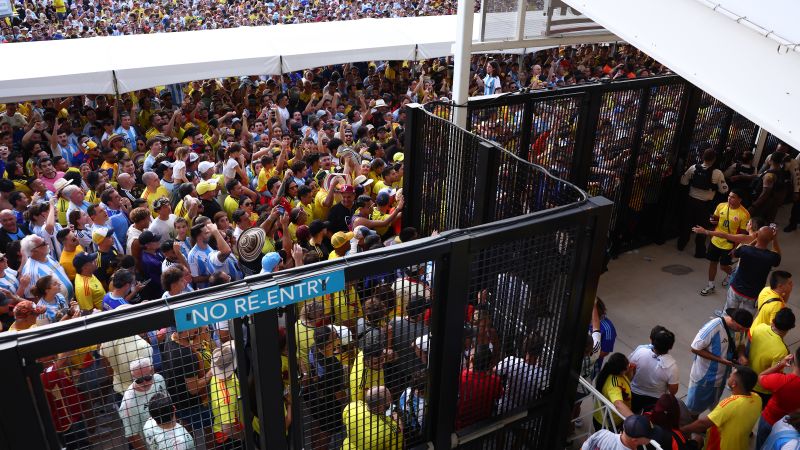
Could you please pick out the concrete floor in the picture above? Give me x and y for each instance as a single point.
(640, 295)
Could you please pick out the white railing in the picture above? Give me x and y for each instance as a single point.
(598, 403)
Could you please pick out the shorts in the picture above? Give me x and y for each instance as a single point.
(716, 254)
(737, 300)
(195, 418)
(702, 397)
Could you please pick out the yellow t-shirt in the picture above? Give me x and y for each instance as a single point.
(89, 292)
(62, 206)
(731, 221)
(616, 387)
(378, 215)
(60, 6)
(368, 431)
(151, 197)
(321, 211)
(309, 209)
(733, 420)
(378, 186)
(224, 395)
(305, 341)
(230, 205)
(766, 350)
(767, 311)
(363, 378)
(263, 176)
(66, 261)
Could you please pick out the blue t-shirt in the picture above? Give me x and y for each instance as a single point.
(112, 302)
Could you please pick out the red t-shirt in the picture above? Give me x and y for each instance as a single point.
(477, 395)
(785, 395)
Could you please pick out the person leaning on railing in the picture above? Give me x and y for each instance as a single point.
(613, 382)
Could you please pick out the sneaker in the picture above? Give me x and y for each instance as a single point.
(726, 280)
(708, 290)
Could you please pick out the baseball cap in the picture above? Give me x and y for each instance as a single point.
(382, 199)
(269, 262)
(637, 426)
(82, 259)
(193, 157)
(741, 316)
(347, 188)
(398, 157)
(167, 164)
(204, 166)
(206, 186)
(147, 237)
(340, 238)
(27, 308)
(99, 234)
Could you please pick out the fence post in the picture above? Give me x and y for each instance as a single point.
(269, 384)
(486, 183)
(27, 424)
(447, 326)
(588, 264)
(237, 332)
(413, 165)
(583, 155)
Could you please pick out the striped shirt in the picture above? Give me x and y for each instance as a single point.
(714, 338)
(38, 269)
(10, 280)
(203, 262)
(55, 245)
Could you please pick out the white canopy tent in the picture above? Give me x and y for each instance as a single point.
(94, 65)
(105, 65)
(741, 52)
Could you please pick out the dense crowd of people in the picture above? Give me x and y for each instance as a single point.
(106, 203)
(737, 382)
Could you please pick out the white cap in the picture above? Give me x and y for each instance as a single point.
(204, 166)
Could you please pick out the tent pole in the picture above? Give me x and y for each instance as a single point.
(462, 51)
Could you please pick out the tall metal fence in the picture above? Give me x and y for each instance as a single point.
(471, 338)
(628, 141)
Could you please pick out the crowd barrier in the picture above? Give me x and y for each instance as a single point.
(629, 141)
(498, 301)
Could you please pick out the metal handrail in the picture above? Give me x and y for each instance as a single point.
(609, 412)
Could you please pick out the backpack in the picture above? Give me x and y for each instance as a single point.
(701, 178)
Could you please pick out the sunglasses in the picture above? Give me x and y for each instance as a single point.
(144, 379)
(40, 245)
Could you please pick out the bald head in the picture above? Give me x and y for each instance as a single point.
(124, 180)
(378, 399)
(765, 236)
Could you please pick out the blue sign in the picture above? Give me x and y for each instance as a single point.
(258, 300)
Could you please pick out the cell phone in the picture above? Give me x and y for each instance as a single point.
(280, 209)
(773, 225)
(146, 282)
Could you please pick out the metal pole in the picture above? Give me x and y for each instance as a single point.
(462, 51)
(761, 142)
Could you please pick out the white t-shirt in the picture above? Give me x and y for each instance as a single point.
(175, 438)
(229, 169)
(522, 381)
(653, 372)
(133, 408)
(133, 234)
(714, 338)
(604, 440)
(163, 228)
(120, 353)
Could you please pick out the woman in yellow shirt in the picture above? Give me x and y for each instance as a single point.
(614, 383)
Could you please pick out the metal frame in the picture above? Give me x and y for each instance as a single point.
(671, 197)
(451, 251)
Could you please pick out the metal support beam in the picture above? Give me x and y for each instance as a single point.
(462, 50)
(761, 142)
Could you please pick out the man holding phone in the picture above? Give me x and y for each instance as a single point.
(785, 388)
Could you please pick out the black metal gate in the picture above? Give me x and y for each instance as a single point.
(628, 141)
